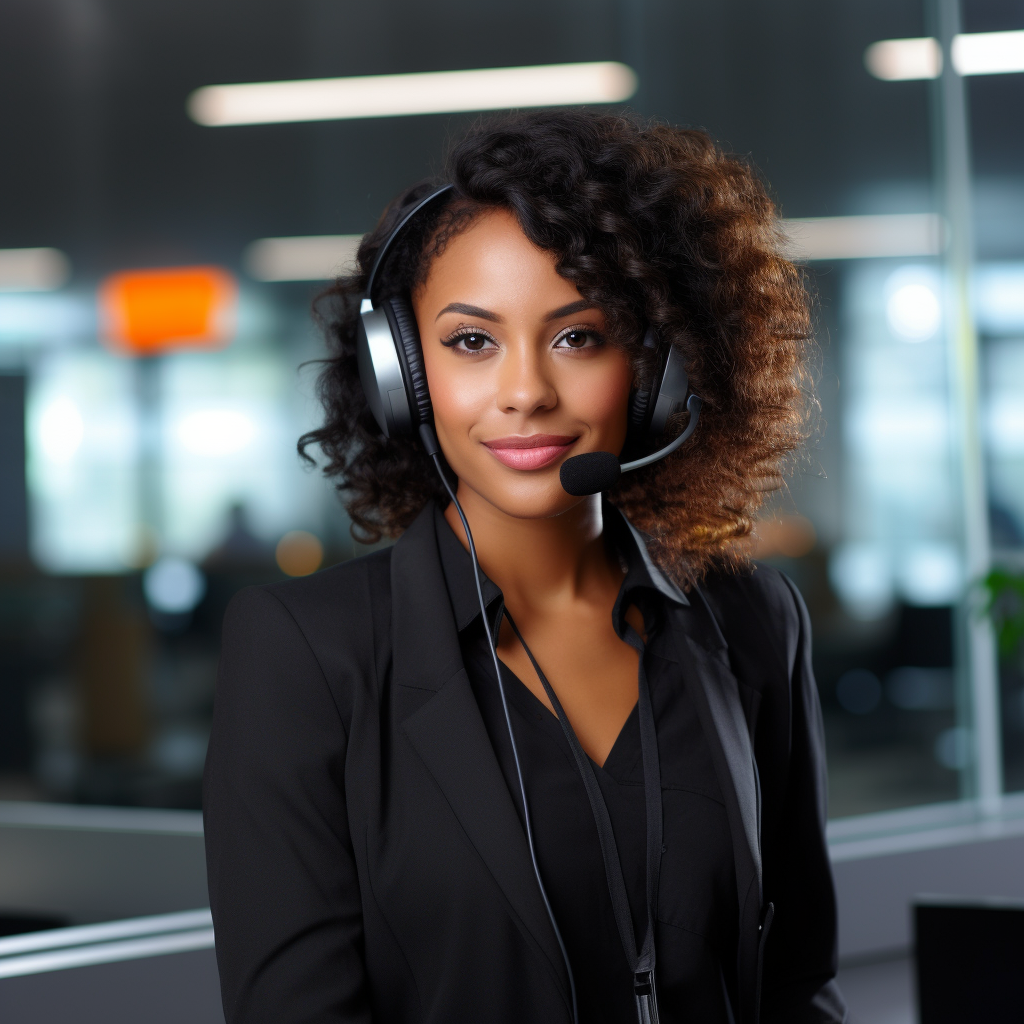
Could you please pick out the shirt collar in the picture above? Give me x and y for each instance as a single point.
(641, 572)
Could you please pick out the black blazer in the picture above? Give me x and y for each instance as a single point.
(366, 862)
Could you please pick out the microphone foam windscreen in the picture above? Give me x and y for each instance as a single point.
(589, 473)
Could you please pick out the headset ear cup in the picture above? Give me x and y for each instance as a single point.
(407, 343)
(639, 403)
(643, 400)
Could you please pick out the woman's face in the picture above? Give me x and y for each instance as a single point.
(521, 373)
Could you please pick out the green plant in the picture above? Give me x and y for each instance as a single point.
(1005, 605)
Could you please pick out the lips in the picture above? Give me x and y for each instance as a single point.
(533, 451)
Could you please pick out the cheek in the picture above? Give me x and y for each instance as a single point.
(458, 397)
(598, 394)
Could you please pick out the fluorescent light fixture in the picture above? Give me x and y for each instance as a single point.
(989, 53)
(973, 53)
(874, 236)
(903, 60)
(303, 258)
(33, 270)
(433, 92)
(322, 257)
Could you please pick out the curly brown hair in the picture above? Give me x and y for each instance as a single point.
(658, 227)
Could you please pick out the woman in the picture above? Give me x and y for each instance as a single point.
(608, 828)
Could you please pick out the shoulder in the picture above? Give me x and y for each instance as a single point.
(756, 608)
(339, 590)
(342, 613)
(760, 588)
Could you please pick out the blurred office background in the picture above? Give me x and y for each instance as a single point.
(158, 262)
(147, 464)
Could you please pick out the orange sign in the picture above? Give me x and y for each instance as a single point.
(148, 312)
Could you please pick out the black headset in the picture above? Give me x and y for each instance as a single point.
(395, 382)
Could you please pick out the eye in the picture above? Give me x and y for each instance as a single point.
(469, 341)
(578, 338)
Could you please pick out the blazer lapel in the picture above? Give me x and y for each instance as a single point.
(717, 696)
(721, 712)
(448, 733)
(725, 724)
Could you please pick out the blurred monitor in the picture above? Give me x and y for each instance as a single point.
(970, 961)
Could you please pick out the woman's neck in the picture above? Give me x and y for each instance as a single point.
(539, 564)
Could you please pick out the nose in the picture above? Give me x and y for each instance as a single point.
(524, 385)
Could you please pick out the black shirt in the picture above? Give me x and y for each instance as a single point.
(696, 931)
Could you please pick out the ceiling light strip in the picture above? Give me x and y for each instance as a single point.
(39, 269)
(973, 53)
(301, 258)
(435, 92)
(989, 53)
(877, 236)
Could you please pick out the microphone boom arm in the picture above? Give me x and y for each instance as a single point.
(693, 408)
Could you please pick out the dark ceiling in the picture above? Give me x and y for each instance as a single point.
(100, 159)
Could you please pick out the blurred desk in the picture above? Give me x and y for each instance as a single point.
(880, 993)
(883, 862)
(85, 864)
(169, 989)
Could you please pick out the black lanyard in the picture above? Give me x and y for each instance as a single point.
(641, 965)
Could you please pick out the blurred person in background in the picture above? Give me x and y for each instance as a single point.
(629, 819)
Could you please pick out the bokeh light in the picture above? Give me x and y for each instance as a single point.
(173, 586)
(299, 553)
(912, 305)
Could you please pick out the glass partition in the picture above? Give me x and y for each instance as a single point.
(140, 490)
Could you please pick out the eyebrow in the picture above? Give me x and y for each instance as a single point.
(477, 311)
(485, 314)
(573, 307)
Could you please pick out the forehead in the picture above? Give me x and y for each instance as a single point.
(491, 263)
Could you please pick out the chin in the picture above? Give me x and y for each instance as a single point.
(536, 497)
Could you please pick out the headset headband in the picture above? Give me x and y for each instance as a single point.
(385, 248)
